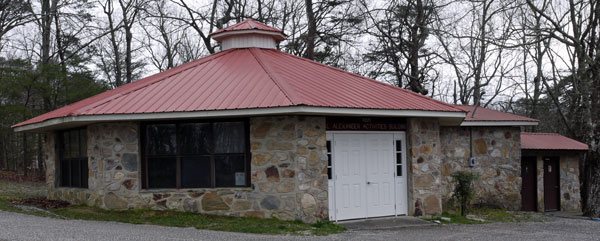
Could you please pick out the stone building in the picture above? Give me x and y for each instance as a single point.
(252, 131)
(550, 171)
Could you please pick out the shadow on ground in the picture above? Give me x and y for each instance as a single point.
(385, 223)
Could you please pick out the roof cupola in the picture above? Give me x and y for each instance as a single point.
(248, 34)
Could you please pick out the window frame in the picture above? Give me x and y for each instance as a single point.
(178, 155)
(82, 158)
(329, 147)
(399, 162)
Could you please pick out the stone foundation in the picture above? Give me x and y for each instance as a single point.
(288, 173)
(498, 163)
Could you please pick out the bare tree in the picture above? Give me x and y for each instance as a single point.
(576, 25)
(400, 34)
(13, 13)
(117, 61)
(476, 52)
(162, 34)
(219, 14)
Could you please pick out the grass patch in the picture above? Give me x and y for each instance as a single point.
(186, 219)
(487, 215)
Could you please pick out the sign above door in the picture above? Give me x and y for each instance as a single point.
(365, 124)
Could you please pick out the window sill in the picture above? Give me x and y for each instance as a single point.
(208, 189)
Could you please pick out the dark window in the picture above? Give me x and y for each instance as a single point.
(196, 155)
(329, 165)
(195, 172)
(399, 158)
(161, 172)
(73, 162)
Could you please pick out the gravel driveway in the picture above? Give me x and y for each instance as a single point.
(15, 226)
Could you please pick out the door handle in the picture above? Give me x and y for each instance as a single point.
(368, 182)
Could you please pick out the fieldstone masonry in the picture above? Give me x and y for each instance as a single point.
(289, 170)
(423, 137)
(288, 173)
(570, 197)
(498, 163)
(289, 166)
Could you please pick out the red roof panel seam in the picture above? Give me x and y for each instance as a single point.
(225, 89)
(283, 86)
(189, 93)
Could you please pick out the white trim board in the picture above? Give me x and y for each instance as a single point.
(288, 110)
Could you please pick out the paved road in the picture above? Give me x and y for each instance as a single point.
(14, 226)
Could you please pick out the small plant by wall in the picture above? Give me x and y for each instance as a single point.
(464, 190)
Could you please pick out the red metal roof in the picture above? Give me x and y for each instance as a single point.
(248, 24)
(485, 114)
(247, 78)
(550, 141)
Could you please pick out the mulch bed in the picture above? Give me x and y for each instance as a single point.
(41, 202)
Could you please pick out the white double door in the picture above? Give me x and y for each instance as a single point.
(364, 175)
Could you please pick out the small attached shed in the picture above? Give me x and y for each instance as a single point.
(550, 172)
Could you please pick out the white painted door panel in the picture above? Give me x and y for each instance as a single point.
(349, 176)
(380, 174)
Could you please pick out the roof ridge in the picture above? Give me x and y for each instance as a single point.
(250, 22)
(374, 81)
(152, 79)
(287, 90)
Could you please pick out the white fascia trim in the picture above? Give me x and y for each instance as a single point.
(296, 110)
(499, 123)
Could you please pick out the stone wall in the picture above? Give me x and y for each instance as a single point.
(288, 173)
(289, 166)
(498, 163)
(424, 179)
(570, 196)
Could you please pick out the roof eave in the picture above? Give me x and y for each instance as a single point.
(499, 123)
(446, 117)
(547, 149)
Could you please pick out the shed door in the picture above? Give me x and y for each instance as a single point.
(529, 188)
(551, 184)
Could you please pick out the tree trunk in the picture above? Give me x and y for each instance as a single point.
(312, 31)
(591, 204)
(414, 80)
